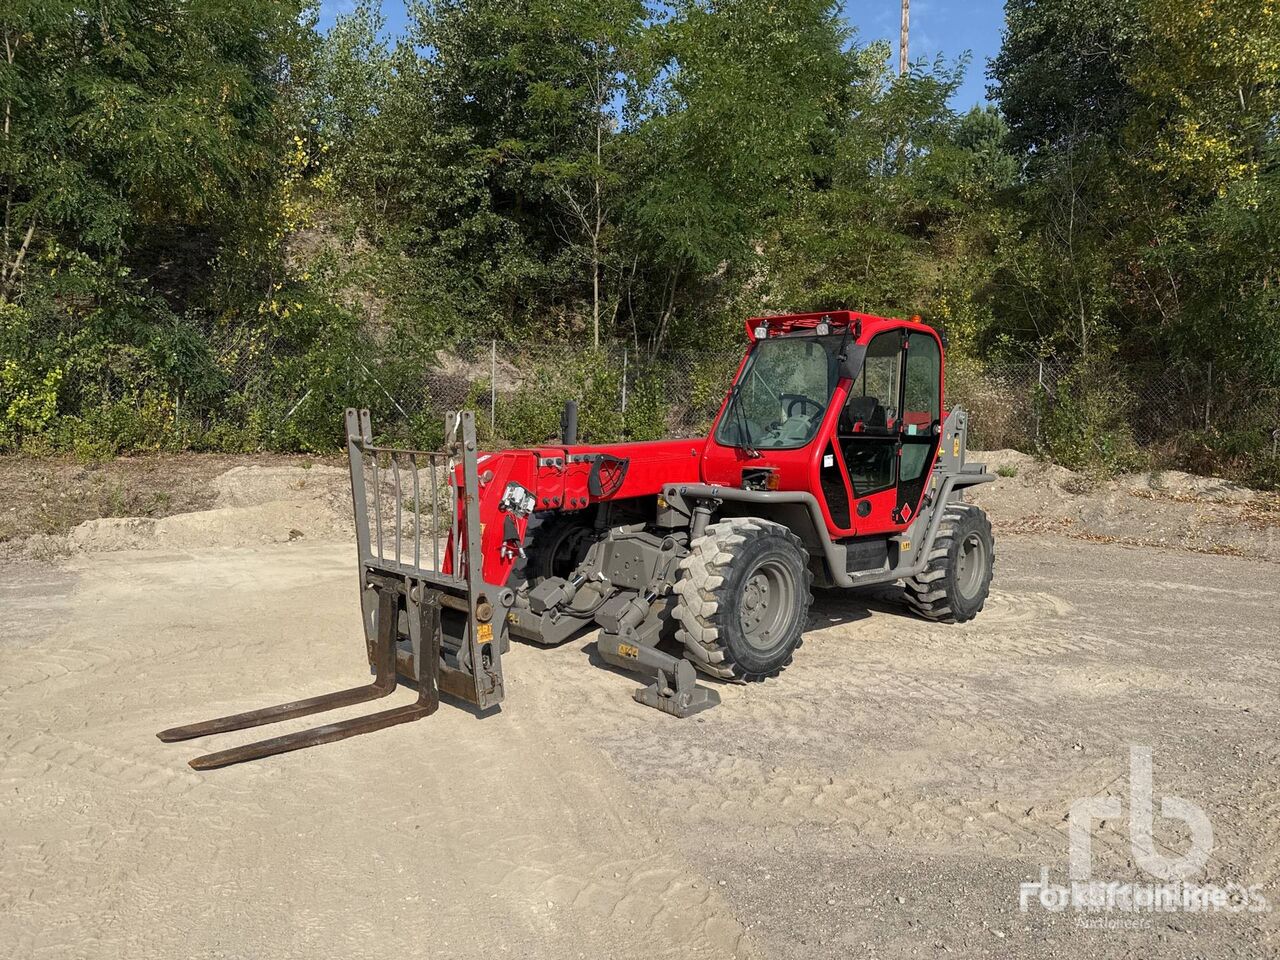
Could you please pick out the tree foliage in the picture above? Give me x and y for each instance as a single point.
(1147, 133)
(219, 222)
(139, 142)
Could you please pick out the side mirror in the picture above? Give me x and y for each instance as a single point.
(851, 361)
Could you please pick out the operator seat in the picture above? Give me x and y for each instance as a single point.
(866, 411)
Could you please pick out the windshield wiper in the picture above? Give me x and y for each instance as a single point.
(744, 431)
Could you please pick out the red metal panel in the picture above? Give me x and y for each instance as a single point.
(559, 481)
(650, 465)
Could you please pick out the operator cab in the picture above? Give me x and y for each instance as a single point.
(846, 406)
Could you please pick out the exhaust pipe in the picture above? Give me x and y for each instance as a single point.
(569, 423)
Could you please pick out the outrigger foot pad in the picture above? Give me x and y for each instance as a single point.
(684, 699)
(675, 691)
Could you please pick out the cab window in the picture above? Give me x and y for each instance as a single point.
(921, 407)
(784, 389)
(877, 387)
(923, 397)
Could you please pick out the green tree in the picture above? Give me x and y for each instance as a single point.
(599, 41)
(1145, 219)
(1059, 77)
(137, 141)
(735, 117)
(864, 234)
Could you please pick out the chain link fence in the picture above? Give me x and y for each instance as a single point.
(518, 391)
(239, 387)
(1041, 405)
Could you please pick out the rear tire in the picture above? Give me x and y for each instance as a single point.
(954, 586)
(744, 596)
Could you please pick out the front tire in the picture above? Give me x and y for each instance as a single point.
(954, 586)
(557, 544)
(744, 596)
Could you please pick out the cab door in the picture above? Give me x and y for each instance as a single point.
(920, 423)
(887, 433)
(867, 433)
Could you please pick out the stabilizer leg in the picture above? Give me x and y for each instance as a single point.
(675, 691)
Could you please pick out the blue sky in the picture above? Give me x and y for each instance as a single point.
(947, 27)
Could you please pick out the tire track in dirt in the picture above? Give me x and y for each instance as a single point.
(994, 815)
(546, 844)
(127, 766)
(894, 736)
(576, 821)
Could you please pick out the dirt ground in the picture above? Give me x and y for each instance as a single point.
(45, 498)
(884, 797)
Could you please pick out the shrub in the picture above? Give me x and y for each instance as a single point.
(1001, 409)
(1085, 425)
(531, 414)
(142, 424)
(648, 404)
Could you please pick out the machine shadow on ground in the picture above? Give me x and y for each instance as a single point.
(833, 608)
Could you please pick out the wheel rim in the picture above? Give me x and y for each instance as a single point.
(971, 565)
(567, 552)
(768, 599)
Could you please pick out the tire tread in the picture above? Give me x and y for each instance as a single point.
(931, 593)
(703, 573)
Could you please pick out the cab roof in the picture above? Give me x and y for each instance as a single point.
(837, 319)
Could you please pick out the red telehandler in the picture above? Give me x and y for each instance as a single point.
(831, 463)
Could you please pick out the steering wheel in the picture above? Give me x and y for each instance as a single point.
(792, 400)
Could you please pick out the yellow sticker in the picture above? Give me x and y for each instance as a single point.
(484, 634)
(627, 650)
(906, 546)
(955, 447)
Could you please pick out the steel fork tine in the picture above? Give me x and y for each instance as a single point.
(384, 683)
(424, 626)
(283, 711)
(311, 738)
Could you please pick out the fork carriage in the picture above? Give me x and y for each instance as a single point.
(415, 594)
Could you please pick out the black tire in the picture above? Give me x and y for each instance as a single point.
(555, 545)
(744, 593)
(954, 586)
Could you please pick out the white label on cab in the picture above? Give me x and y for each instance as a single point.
(828, 460)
